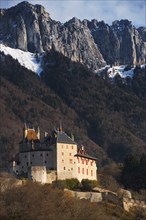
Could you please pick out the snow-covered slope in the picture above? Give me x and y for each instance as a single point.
(113, 71)
(123, 71)
(26, 59)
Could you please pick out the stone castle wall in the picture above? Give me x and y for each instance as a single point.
(38, 174)
(66, 162)
(35, 158)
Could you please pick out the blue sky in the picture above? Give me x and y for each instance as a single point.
(107, 10)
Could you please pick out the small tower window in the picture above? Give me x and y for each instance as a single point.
(41, 155)
(64, 168)
(72, 147)
(69, 154)
(62, 153)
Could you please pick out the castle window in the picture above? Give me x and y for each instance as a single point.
(86, 162)
(62, 161)
(78, 160)
(78, 169)
(45, 161)
(91, 172)
(87, 171)
(69, 154)
(30, 162)
(70, 160)
(64, 168)
(41, 155)
(91, 163)
(72, 147)
(22, 167)
(25, 156)
(62, 153)
(32, 155)
(82, 170)
(47, 155)
(82, 161)
(27, 163)
(71, 168)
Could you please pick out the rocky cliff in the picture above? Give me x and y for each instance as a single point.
(92, 43)
(120, 43)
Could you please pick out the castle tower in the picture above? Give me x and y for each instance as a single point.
(25, 130)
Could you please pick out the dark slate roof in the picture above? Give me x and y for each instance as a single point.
(62, 137)
(85, 156)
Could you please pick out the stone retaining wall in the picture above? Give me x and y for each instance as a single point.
(108, 196)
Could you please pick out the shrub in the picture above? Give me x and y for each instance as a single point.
(88, 185)
(109, 182)
(72, 183)
(68, 183)
(60, 184)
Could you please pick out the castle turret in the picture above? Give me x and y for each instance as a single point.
(25, 130)
(39, 134)
(60, 127)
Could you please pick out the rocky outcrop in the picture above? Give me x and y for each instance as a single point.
(142, 32)
(120, 43)
(92, 43)
(29, 27)
(110, 197)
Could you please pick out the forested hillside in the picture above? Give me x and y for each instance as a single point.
(115, 117)
(25, 98)
(107, 119)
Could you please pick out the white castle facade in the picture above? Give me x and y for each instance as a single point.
(57, 157)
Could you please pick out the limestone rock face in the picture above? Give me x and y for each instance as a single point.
(120, 43)
(142, 32)
(92, 43)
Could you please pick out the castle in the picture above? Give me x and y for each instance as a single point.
(56, 157)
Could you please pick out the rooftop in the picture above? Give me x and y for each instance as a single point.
(82, 153)
(62, 137)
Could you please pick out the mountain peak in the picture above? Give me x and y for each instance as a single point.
(93, 43)
(25, 4)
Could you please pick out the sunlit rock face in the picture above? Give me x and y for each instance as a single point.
(120, 43)
(92, 43)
